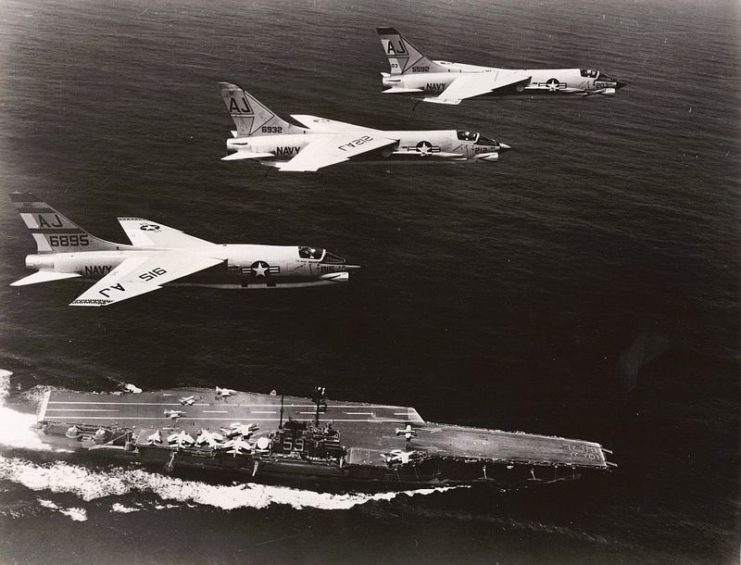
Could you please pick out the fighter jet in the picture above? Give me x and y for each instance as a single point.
(159, 255)
(174, 414)
(181, 439)
(239, 429)
(236, 446)
(224, 392)
(443, 82)
(154, 438)
(263, 136)
(187, 400)
(399, 457)
(407, 432)
(211, 439)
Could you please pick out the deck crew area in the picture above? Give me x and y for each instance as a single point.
(368, 430)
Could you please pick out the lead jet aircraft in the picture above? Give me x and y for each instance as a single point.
(160, 256)
(318, 142)
(443, 82)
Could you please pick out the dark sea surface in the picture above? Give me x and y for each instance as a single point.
(587, 285)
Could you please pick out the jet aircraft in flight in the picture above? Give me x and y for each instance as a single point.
(443, 82)
(319, 142)
(159, 255)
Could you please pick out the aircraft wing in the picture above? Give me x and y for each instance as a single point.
(324, 125)
(470, 85)
(333, 149)
(142, 274)
(145, 233)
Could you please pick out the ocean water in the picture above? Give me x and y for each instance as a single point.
(586, 285)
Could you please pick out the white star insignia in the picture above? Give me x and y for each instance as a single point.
(260, 270)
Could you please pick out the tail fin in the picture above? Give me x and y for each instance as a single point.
(52, 231)
(403, 57)
(250, 116)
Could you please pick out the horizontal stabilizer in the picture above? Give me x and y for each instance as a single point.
(438, 100)
(399, 90)
(239, 155)
(42, 277)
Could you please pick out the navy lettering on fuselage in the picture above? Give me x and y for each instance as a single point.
(287, 151)
(55, 223)
(435, 86)
(97, 270)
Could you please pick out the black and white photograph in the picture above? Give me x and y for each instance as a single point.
(395, 281)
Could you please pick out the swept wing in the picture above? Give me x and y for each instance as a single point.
(145, 233)
(471, 85)
(332, 149)
(316, 124)
(142, 274)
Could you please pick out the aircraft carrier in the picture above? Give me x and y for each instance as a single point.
(280, 439)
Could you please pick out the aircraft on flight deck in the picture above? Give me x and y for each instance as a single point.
(209, 438)
(161, 255)
(224, 392)
(319, 142)
(443, 82)
(181, 439)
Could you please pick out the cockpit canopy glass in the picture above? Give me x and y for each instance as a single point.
(306, 252)
(589, 73)
(467, 135)
(606, 78)
(332, 258)
(483, 140)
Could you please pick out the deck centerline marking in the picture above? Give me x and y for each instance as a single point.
(82, 410)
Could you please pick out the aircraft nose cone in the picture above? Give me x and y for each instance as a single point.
(620, 84)
(503, 148)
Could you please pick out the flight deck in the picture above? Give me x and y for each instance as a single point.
(368, 430)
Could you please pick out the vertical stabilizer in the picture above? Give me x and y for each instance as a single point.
(250, 116)
(54, 232)
(402, 55)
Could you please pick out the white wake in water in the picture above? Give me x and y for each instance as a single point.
(87, 484)
(15, 427)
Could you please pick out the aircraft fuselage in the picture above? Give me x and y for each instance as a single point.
(425, 146)
(245, 266)
(548, 82)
